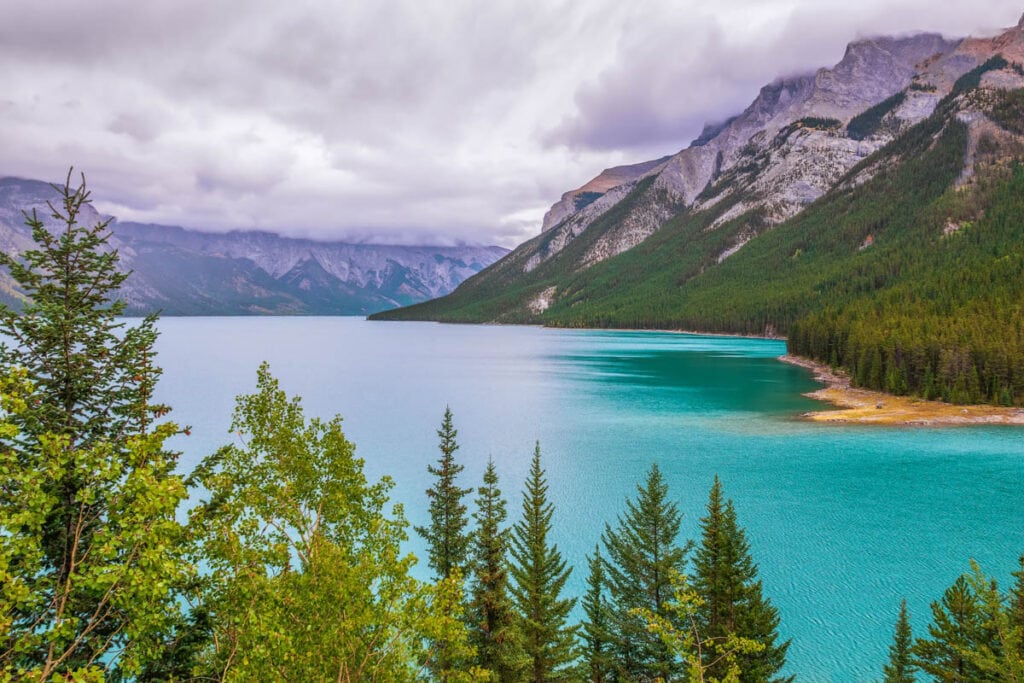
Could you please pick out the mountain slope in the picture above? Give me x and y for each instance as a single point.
(859, 274)
(190, 272)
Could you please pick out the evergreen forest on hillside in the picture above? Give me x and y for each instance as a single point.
(290, 567)
(911, 281)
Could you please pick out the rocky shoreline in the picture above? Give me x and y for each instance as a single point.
(864, 406)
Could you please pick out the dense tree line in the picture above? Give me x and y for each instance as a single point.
(910, 280)
(290, 567)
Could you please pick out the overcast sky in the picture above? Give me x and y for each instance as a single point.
(420, 121)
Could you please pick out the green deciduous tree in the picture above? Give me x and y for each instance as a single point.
(89, 546)
(900, 668)
(725, 577)
(678, 627)
(539, 574)
(446, 536)
(641, 557)
(491, 616)
(307, 580)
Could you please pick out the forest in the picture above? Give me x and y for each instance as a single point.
(909, 280)
(290, 565)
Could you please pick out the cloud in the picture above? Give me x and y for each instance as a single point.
(398, 119)
(704, 66)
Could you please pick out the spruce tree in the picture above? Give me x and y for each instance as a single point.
(1016, 606)
(725, 577)
(597, 668)
(446, 536)
(641, 557)
(538, 576)
(900, 668)
(87, 508)
(957, 628)
(492, 628)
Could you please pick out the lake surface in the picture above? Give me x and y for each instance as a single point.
(843, 521)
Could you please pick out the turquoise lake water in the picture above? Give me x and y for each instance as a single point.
(843, 521)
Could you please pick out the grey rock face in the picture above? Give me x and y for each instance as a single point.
(792, 159)
(575, 200)
(193, 272)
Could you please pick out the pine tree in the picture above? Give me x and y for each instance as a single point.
(446, 535)
(595, 626)
(957, 628)
(641, 557)
(491, 616)
(1016, 606)
(900, 668)
(87, 508)
(725, 577)
(539, 574)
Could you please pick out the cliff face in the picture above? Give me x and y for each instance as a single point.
(802, 139)
(779, 164)
(187, 272)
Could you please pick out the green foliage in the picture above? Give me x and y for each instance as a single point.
(868, 121)
(920, 312)
(972, 79)
(1006, 110)
(306, 577)
(584, 199)
(491, 616)
(641, 557)
(597, 666)
(89, 546)
(900, 668)
(538, 577)
(699, 654)
(821, 123)
(446, 537)
(107, 598)
(732, 604)
(958, 627)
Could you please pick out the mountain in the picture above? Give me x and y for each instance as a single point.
(190, 272)
(872, 212)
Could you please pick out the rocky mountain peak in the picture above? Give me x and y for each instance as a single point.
(610, 178)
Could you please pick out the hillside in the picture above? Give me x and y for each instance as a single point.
(191, 272)
(872, 213)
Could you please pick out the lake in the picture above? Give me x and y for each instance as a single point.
(844, 521)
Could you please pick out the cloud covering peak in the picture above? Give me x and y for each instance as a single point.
(411, 120)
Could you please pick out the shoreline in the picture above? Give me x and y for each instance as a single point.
(866, 406)
(852, 405)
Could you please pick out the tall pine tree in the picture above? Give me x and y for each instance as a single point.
(539, 574)
(641, 557)
(446, 536)
(1016, 606)
(900, 668)
(725, 577)
(957, 628)
(90, 544)
(597, 668)
(491, 616)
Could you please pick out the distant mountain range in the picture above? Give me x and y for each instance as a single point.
(190, 272)
(872, 212)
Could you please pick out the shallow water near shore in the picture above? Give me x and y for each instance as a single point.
(843, 521)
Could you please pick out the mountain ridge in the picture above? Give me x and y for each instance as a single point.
(822, 195)
(182, 271)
